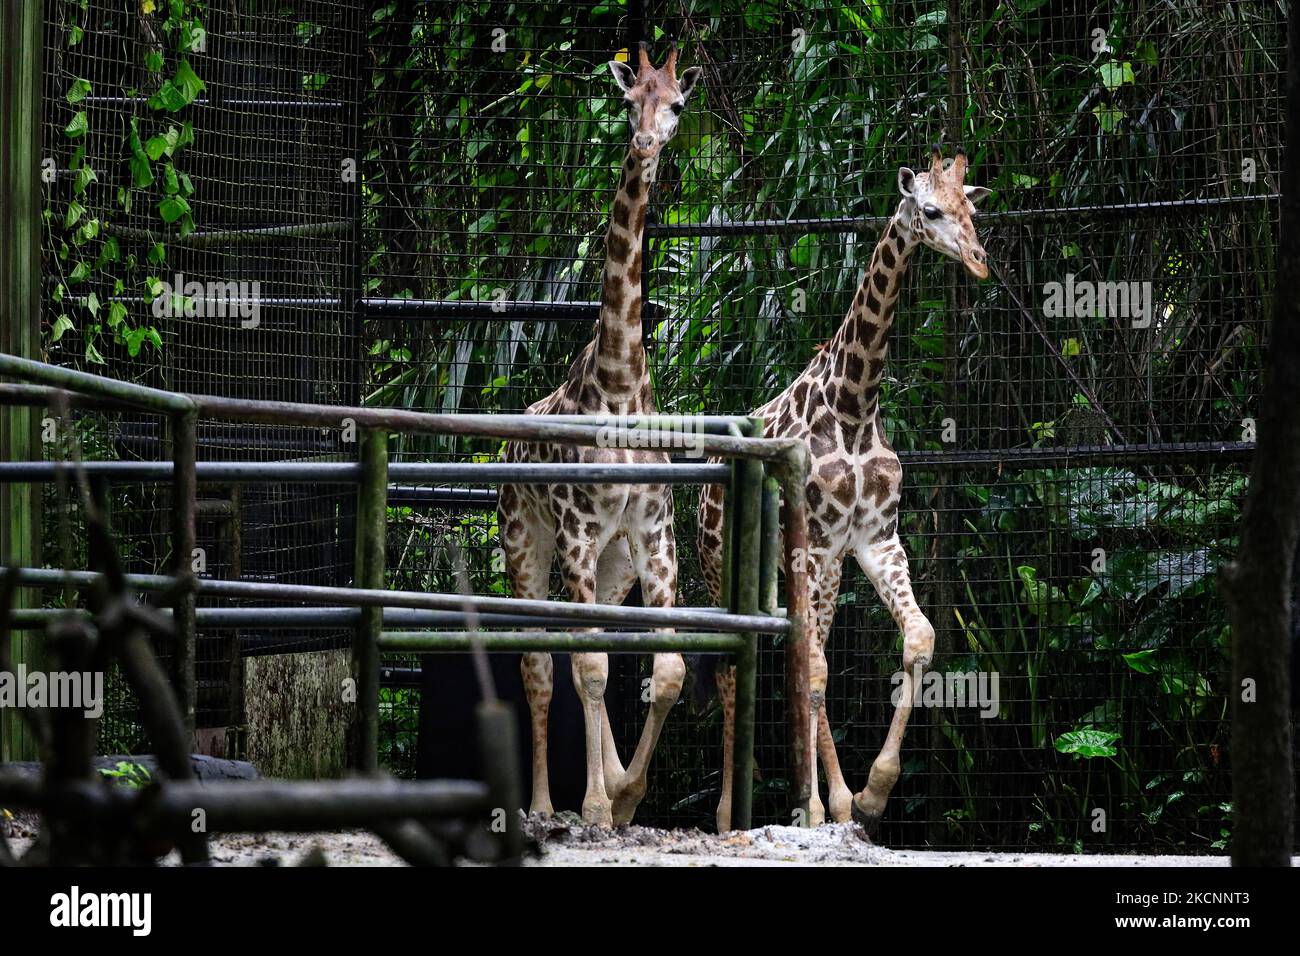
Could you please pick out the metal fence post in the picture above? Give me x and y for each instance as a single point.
(793, 476)
(184, 491)
(21, 295)
(372, 508)
(748, 545)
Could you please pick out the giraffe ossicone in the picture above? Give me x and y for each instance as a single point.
(855, 477)
(605, 537)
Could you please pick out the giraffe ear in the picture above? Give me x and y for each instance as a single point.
(624, 75)
(978, 193)
(906, 181)
(686, 82)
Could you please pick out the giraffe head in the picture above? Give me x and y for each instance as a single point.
(937, 205)
(655, 99)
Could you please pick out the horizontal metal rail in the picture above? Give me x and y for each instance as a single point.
(343, 472)
(1082, 455)
(237, 806)
(609, 431)
(695, 618)
(614, 642)
(412, 621)
(846, 224)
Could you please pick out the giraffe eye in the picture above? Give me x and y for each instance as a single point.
(932, 212)
(677, 108)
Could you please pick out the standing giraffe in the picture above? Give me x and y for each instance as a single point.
(607, 537)
(854, 478)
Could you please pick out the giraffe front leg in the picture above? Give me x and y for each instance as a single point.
(590, 674)
(885, 563)
(614, 579)
(654, 555)
(590, 677)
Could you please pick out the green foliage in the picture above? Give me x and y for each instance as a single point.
(132, 776)
(103, 269)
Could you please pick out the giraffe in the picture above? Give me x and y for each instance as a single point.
(606, 537)
(855, 476)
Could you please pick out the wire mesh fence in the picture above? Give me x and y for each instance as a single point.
(1074, 431)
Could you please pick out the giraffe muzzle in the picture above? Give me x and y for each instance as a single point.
(976, 261)
(644, 144)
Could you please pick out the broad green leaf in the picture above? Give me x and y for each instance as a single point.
(1088, 742)
(77, 126)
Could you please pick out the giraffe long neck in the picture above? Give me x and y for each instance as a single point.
(620, 361)
(855, 358)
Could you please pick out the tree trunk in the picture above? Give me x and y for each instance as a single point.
(1257, 586)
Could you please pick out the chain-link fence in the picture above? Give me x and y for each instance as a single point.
(1073, 430)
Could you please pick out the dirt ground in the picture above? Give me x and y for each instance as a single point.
(567, 842)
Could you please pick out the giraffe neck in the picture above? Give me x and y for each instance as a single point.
(854, 360)
(620, 361)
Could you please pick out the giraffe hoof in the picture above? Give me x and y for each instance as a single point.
(597, 814)
(625, 804)
(868, 821)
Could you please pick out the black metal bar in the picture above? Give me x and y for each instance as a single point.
(184, 491)
(344, 472)
(847, 224)
(372, 528)
(513, 642)
(516, 609)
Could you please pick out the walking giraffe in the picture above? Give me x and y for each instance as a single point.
(854, 479)
(608, 536)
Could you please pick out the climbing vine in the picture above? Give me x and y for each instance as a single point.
(131, 170)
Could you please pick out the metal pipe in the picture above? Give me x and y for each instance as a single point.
(372, 527)
(845, 224)
(749, 511)
(237, 806)
(614, 642)
(138, 396)
(344, 472)
(304, 617)
(184, 491)
(769, 595)
(793, 476)
(504, 610)
(604, 430)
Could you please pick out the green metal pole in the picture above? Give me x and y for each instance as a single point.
(769, 595)
(793, 475)
(372, 508)
(184, 490)
(569, 642)
(749, 513)
(21, 75)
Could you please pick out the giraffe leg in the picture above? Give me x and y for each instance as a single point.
(885, 563)
(824, 570)
(614, 579)
(654, 555)
(710, 551)
(726, 681)
(528, 544)
(840, 795)
(578, 557)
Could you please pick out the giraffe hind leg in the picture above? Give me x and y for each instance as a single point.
(528, 544)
